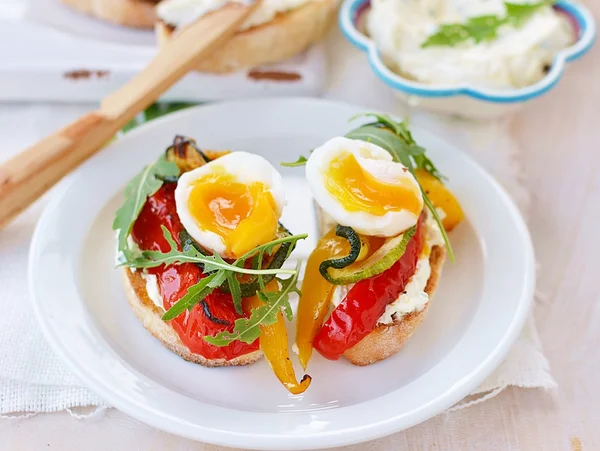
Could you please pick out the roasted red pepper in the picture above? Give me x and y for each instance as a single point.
(357, 314)
(174, 281)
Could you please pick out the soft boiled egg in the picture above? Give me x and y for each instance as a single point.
(232, 204)
(360, 186)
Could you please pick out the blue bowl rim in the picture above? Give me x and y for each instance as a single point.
(578, 12)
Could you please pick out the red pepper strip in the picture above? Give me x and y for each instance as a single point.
(356, 316)
(174, 281)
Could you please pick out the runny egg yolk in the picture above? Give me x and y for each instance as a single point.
(243, 215)
(357, 190)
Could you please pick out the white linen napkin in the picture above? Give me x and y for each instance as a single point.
(33, 380)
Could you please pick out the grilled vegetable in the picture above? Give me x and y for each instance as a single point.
(442, 198)
(355, 242)
(250, 284)
(382, 259)
(274, 345)
(188, 156)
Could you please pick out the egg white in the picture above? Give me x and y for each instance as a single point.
(246, 168)
(377, 162)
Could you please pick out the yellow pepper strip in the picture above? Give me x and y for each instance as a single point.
(441, 197)
(274, 345)
(316, 294)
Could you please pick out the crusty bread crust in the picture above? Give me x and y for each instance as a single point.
(131, 13)
(388, 339)
(287, 35)
(150, 316)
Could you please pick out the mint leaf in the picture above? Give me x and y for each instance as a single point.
(448, 36)
(143, 185)
(517, 13)
(483, 28)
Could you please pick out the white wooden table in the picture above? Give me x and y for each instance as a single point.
(559, 136)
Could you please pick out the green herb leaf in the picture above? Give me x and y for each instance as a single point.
(447, 36)
(194, 295)
(386, 139)
(236, 292)
(154, 111)
(271, 245)
(220, 270)
(395, 137)
(145, 184)
(301, 161)
(520, 12)
(152, 259)
(247, 330)
(287, 307)
(438, 220)
(483, 28)
(258, 261)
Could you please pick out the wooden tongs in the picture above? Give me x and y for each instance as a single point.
(29, 174)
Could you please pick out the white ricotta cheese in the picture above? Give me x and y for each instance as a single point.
(183, 12)
(518, 57)
(414, 298)
(153, 290)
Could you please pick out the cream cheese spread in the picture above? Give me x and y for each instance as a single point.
(179, 13)
(414, 298)
(519, 56)
(153, 290)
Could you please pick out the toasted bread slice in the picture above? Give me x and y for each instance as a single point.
(387, 339)
(288, 34)
(151, 317)
(131, 13)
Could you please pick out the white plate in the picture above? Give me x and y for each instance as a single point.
(478, 311)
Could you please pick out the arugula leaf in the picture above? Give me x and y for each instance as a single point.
(247, 330)
(145, 184)
(218, 270)
(383, 120)
(152, 259)
(400, 144)
(258, 262)
(287, 307)
(236, 292)
(301, 161)
(438, 220)
(483, 28)
(398, 141)
(385, 139)
(271, 245)
(195, 295)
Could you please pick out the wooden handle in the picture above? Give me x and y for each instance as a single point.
(28, 175)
